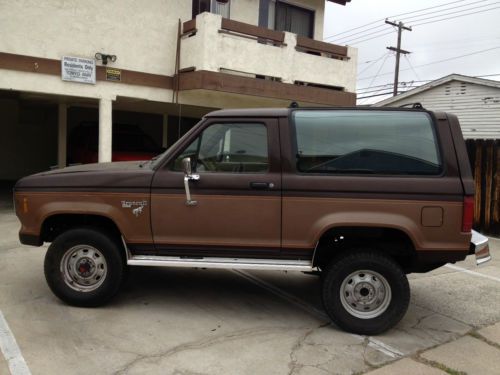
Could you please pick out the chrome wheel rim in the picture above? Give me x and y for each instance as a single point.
(365, 294)
(84, 268)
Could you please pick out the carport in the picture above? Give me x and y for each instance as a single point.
(36, 128)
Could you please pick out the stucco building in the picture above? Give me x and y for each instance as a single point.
(169, 63)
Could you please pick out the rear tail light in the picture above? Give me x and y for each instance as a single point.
(468, 214)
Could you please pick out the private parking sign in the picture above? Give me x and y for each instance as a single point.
(78, 69)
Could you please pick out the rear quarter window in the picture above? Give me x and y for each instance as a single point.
(366, 142)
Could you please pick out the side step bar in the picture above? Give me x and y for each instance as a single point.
(227, 263)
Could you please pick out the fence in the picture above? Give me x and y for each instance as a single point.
(485, 161)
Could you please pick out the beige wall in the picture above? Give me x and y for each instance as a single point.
(142, 37)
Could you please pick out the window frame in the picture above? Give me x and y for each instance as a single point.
(170, 164)
(435, 132)
(293, 5)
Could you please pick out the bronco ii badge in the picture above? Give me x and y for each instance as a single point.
(139, 206)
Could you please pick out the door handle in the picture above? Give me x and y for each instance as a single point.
(261, 185)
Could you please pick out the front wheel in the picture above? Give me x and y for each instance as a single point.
(365, 292)
(84, 267)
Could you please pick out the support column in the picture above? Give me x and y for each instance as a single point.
(165, 131)
(62, 133)
(105, 130)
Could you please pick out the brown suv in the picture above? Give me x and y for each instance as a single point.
(361, 196)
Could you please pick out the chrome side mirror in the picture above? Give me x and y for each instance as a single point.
(189, 176)
(186, 165)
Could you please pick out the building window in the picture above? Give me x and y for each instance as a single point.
(286, 17)
(220, 7)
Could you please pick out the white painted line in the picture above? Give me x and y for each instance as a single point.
(384, 348)
(372, 342)
(465, 270)
(8, 345)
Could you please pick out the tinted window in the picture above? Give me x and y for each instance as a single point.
(383, 142)
(237, 148)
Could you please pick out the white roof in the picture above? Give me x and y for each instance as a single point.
(438, 82)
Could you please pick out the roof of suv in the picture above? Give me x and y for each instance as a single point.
(284, 112)
(250, 112)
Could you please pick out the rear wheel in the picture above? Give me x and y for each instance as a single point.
(84, 267)
(365, 292)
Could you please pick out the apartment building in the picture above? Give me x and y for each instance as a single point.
(82, 76)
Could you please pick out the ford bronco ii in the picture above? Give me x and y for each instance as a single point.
(360, 196)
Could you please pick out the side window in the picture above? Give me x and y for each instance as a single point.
(236, 148)
(370, 142)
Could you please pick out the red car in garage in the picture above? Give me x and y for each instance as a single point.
(130, 142)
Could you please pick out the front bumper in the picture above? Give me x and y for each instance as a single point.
(480, 247)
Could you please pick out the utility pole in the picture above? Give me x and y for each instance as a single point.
(398, 51)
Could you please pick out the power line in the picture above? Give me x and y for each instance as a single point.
(401, 86)
(381, 94)
(369, 34)
(411, 66)
(339, 40)
(422, 80)
(396, 15)
(379, 69)
(377, 33)
(407, 19)
(460, 15)
(365, 40)
(459, 12)
(439, 61)
(373, 63)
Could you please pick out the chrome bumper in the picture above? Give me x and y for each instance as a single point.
(480, 247)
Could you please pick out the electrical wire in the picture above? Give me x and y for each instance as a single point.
(407, 19)
(459, 12)
(377, 33)
(438, 61)
(373, 63)
(425, 80)
(365, 40)
(379, 69)
(339, 40)
(460, 15)
(411, 66)
(396, 15)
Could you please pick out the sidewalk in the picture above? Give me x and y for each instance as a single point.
(478, 352)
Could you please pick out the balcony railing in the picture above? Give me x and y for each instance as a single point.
(213, 43)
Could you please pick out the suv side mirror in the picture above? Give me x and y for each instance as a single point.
(188, 176)
(186, 165)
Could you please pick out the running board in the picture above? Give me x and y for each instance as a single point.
(227, 263)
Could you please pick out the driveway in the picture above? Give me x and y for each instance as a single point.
(195, 321)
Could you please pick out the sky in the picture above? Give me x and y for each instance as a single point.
(428, 43)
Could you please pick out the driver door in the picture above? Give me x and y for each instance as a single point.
(237, 209)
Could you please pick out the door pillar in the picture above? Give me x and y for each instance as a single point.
(165, 131)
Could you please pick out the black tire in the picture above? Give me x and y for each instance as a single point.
(348, 268)
(106, 281)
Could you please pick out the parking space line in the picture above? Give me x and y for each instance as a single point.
(10, 349)
(465, 270)
(372, 342)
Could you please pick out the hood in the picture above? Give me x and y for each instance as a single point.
(116, 175)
